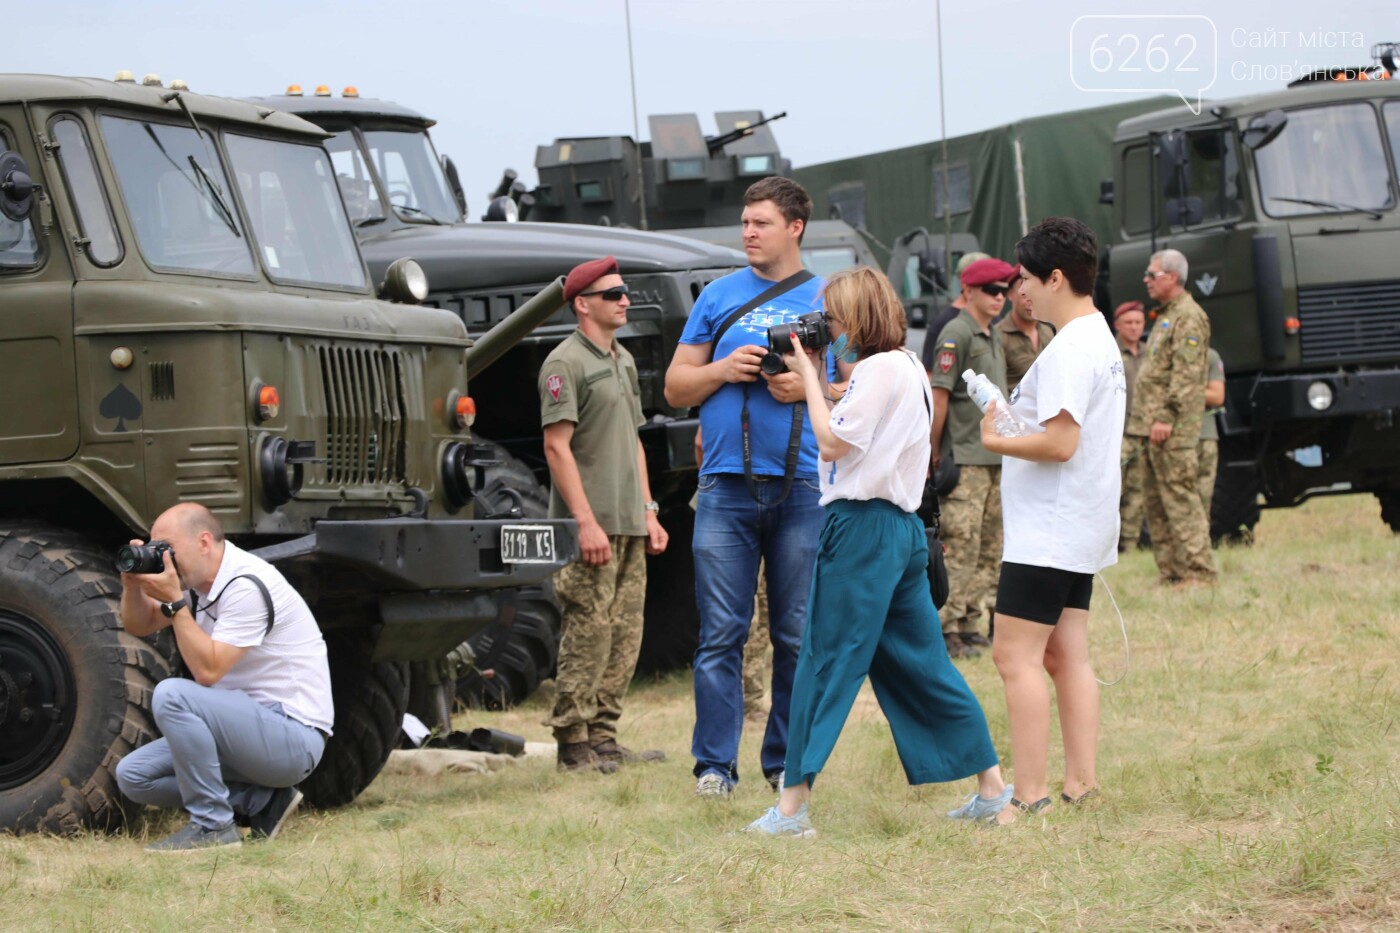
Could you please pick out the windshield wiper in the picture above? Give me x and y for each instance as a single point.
(215, 196)
(1332, 205)
(418, 210)
(368, 221)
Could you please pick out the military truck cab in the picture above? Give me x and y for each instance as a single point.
(188, 319)
(1285, 205)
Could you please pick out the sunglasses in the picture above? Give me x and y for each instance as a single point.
(607, 294)
(1149, 274)
(996, 291)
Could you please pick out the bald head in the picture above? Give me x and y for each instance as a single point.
(193, 519)
(197, 539)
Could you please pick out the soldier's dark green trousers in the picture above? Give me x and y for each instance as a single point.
(870, 613)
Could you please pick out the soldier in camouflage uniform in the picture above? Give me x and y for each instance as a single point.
(591, 409)
(758, 655)
(1128, 321)
(971, 528)
(1168, 405)
(1208, 452)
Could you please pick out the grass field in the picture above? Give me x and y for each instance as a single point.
(1250, 763)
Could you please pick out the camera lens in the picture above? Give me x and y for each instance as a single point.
(772, 364)
(128, 559)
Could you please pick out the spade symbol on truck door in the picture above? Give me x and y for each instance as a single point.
(122, 405)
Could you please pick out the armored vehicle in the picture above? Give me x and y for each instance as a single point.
(187, 318)
(1285, 205)
(404, 201)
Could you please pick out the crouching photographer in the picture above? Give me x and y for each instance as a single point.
(255, 719)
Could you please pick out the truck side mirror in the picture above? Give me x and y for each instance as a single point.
(16, 187)
(449, 168)
(1264, 129)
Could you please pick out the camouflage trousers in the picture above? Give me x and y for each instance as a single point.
(602, 637)
(1179, 528)
(1208, 461)
(758, 652)
(971, 533)
(1130, 503)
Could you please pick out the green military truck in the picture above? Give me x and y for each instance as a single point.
(185, 317)
(404, 200)
(1285, 205)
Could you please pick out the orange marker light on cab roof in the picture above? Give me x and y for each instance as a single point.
(294, 90)
(350, 91)
(269, 403)
(323, 90)
(466, 411)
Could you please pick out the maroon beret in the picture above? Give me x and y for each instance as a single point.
(585, 274)
(1127, 307)
(985, 272)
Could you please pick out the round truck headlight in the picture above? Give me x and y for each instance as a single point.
(1320, 396)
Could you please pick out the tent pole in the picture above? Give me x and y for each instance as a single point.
(943, 131)
(1021, 186)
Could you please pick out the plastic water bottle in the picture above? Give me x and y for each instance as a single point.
(984, 392)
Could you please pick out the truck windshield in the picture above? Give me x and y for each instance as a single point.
(1326, 160)
(298, 219)
(356, 182)
(413, 179)
(828, 260)
(165, 173)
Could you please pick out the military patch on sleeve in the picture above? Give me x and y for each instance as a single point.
(946, 359)
(1192, 341)
(555, 386)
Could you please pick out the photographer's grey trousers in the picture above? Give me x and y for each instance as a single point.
(223, 753)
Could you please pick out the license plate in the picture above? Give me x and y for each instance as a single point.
(527, 544)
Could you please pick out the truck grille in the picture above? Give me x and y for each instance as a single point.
(1341, 323)
(365, 415)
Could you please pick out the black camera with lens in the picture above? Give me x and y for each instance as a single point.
(810, 330)
(144, 558)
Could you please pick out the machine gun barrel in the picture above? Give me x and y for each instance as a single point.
(716, 143)
(493, 344)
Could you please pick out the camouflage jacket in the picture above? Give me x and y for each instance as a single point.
(1171, 380)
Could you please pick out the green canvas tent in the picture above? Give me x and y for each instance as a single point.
(1057, 162)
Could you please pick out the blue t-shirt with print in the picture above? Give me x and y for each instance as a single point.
(770, 421)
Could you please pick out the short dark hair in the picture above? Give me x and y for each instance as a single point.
(1061, 243)
(792, 199)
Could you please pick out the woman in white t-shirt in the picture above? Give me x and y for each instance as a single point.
(870, 612)
(1059, 503)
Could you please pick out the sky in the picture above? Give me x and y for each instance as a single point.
(855, 76)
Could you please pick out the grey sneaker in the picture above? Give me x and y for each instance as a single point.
(194, 838)
(983, 809)
(712, 785)
(268, 821)
(773, 823)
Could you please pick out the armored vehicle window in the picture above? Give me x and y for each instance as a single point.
(828, 260)
(959, 183)
(412, 176)
(1327, 159)
(19, 248)
(85, 191)
(297, 215)
(178, 197)
(1137, 211)
(356, 183)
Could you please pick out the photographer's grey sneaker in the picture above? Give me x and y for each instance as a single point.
(982, 809)
(268, 822)
(712, 785)
(194, 838)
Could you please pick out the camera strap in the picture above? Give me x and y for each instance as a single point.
(262, 588)
(795, 436)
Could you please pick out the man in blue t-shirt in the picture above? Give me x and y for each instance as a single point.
(766, 508)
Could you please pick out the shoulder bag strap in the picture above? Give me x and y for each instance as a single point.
(768, 294)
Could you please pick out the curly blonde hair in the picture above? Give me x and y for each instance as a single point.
(864, 302)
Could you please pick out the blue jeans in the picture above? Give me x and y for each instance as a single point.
(223, 752)
(732, 533)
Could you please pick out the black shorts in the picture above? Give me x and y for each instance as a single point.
(1041, 593)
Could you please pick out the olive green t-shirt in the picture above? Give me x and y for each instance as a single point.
(1215, 372)
(962, 345)
(600, 394)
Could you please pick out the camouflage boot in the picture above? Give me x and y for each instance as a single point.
(609, 751)
(578, 756)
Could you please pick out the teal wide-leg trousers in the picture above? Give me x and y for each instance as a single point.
(870, 613)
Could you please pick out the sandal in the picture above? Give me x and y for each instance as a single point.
(1090, 794)
(1044, 803)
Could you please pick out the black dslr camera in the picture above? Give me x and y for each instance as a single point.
(144, 558)
(811, 333)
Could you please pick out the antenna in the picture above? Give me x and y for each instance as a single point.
(636, 126)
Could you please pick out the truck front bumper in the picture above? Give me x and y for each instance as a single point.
(1275, 398)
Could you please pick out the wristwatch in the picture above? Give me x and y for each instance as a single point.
(652, 506)
(169, 609)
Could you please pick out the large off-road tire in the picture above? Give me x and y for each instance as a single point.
(75, 689)
(370, 700)
(1390, 507)
(523, 653)
(1234, 506)
(672, 628)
